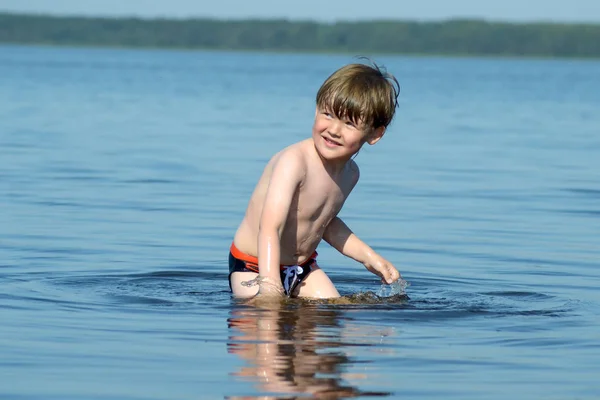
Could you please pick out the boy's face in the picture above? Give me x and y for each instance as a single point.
(339, 138)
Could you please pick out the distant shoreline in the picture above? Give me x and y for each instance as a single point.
(300, 52)
(449, 38)
(292, 20)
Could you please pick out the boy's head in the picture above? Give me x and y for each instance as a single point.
(361, 93)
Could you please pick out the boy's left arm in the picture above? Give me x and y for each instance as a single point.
(340, 237)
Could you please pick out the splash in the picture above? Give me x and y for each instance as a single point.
(397, 288)
(387, 294)
(393, 293)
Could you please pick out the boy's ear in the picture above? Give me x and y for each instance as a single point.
(375, 135)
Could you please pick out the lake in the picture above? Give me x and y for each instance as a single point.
(124, 174)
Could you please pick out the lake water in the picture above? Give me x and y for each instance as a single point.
(124, 174)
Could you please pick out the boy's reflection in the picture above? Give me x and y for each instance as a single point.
(291, 348)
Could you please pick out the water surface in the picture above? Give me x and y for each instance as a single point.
(123, 175)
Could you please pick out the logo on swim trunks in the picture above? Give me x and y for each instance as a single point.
(291, 278)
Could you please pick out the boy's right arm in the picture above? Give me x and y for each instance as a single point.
(286, 176)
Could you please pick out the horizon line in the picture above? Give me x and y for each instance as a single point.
(291, 19)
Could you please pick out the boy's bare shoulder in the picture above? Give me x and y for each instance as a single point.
(297, 152)
(353, 171)
(292, 158)
(297, 149)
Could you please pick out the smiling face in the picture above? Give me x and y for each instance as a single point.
(339, 138)
(354, 106)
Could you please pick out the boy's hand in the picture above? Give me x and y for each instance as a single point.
(269, 288)
(268, 301)
(382, 268)
(269, 294)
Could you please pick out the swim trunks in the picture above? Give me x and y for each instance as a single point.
(291, 275)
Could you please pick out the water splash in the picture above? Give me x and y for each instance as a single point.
(397, 288)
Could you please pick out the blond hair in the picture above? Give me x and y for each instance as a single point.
(362, 94)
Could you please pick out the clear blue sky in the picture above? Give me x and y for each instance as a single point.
(322, 10)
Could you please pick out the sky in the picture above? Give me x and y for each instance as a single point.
(322, 10)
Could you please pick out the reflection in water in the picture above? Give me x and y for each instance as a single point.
(293, 348)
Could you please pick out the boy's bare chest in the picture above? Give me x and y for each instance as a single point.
(320, 200)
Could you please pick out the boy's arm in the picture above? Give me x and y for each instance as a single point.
(340, 237)
(286, 176)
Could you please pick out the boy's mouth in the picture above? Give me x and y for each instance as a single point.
(330, 142)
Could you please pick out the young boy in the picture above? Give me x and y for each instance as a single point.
(303, 188)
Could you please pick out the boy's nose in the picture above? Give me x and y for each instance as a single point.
(334, 128)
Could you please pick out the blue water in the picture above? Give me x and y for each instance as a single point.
(123, 175)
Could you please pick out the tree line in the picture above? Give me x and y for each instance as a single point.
(451, 37)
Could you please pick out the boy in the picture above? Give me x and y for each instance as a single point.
(303, 188)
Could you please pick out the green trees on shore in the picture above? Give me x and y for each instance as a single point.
(452, 37)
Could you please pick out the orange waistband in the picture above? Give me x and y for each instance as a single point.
(237, 253)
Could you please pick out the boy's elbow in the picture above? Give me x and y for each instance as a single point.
(336, 234)
(329, 231)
